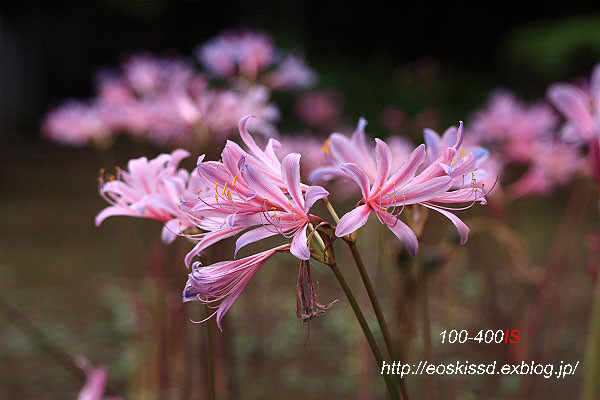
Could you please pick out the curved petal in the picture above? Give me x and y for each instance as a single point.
(433, 143)
(325, 173)
(170, 230)
(407, 171)
(265, 187)
(424, 191)
(383, 158)
(209, 239)
(112, 211)
(463, 229)
(573, 103)
(299, 246)
(313, 194)
(402, 231)
(290, 171)
(358, 175)
(252, 236)
(353, 220)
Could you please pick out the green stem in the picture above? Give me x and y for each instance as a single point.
(387, 337)
(592, 374)
(331, 211)
(210, 357)
(393, 392)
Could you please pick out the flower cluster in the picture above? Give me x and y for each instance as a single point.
(256, 193)
(523, 135)
(171, 103)
(253, 56)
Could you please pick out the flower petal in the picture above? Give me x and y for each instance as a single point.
(407, 171)
(401, 230)
(313, 194)
(209, 239)
(463, 229)
(353, 220)
(383, 158)
(358, 175)
(433, 143)
(290, 171)
(299, 246)
(573, 103)
(252, 236)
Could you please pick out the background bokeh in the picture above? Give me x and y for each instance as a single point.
(113, 293)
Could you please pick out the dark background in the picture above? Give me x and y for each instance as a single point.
(50, 51)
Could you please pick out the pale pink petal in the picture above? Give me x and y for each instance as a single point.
(290, 171)
(433, 142)
(358, 175)
(209, 239)
(424, 191)
(407, 171)
(264, 187)
(463, 229)
(299, 246)
(254, 235)
(401, 230)
(114, 210)
(170, 230)
(353, 220)
(313, 194)
(573, 103)
(383, 157)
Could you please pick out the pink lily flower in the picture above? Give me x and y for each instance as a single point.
(151, 189)
(513, 127)
(250, 198)
(355, 149)
(392, 190)
(222, 283)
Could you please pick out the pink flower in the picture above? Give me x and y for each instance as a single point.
(77, 124)
(355, 149)
(554, 164)
(151, 189)
(250, 198)
(291, 74)
(245, 53)
(96, 381)
(222, 283)
(513, 126)
(392, 190)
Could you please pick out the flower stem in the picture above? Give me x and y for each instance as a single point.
(387, 337)
(592, 374)
(393, 392)
(210, 357)
(331, 210)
